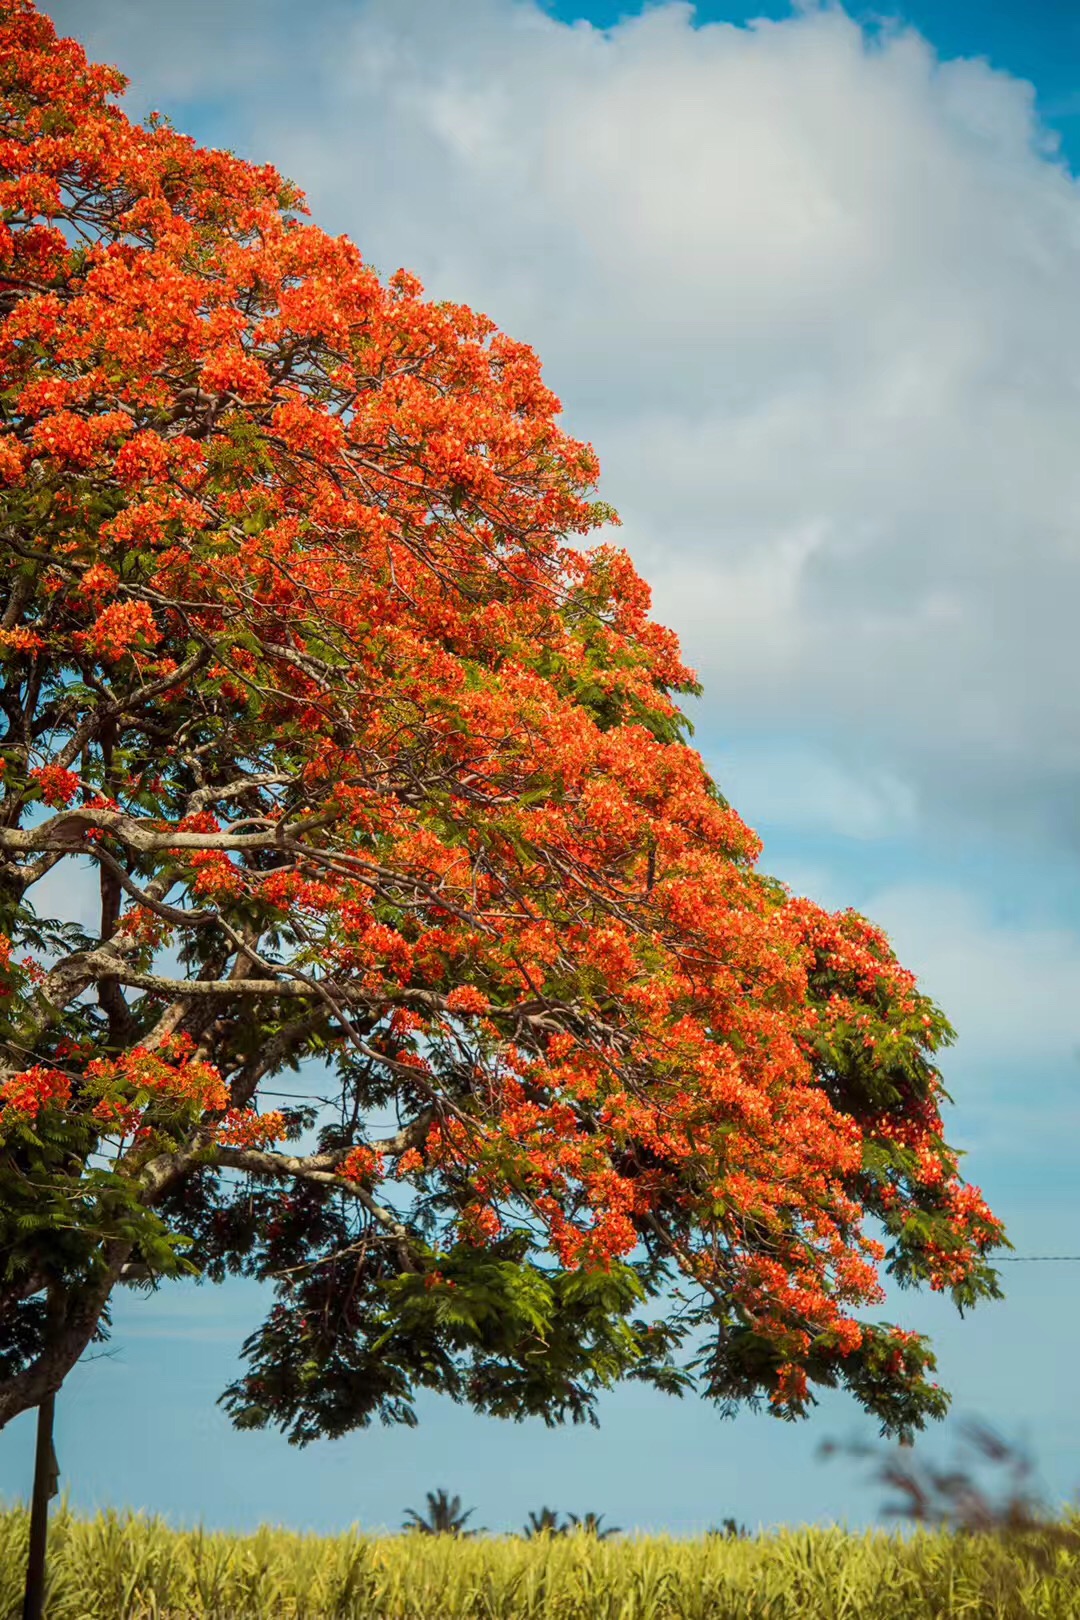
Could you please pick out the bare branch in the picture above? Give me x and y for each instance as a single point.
(174, 914)
(321, 1169)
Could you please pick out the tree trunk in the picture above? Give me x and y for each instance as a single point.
(70, 1331)
(45, 1478)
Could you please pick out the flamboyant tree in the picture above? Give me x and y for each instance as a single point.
(378, 774)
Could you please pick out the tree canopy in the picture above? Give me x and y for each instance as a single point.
(378, 770)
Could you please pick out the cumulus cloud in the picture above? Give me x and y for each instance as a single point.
(1011, 989)
(1009, 986)
(781, 784)
(810, 291)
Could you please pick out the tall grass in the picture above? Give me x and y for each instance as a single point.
(129, 1567)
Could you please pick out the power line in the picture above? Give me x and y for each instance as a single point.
(1020, 1259)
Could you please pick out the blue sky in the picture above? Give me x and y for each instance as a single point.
(809, 286)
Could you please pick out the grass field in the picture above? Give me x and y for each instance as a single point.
(125, 1567)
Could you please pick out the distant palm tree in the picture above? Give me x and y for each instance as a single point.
(545, 1523)
(590, 1523)
(444, 1516)
(729, 1530)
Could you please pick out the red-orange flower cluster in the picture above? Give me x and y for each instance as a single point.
(396, 768)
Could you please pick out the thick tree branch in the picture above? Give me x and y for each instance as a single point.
(66, 1344)
(67, 832)
(323, 1169)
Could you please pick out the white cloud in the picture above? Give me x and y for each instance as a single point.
(802, 789)
(1011, 988)
(1007, 978)
(812, 295)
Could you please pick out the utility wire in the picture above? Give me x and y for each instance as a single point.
(1020, 1259)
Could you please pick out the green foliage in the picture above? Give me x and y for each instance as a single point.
(548, 1523)
(57, 1219)
(349, 1340)
(444, 1516)
(544, 1523)
(729, 1529)
(592, 1524)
